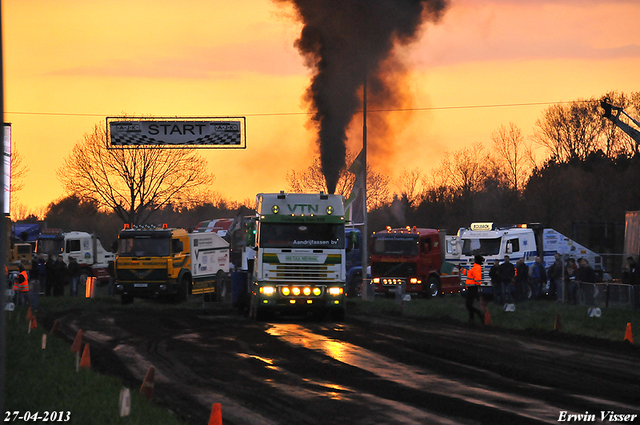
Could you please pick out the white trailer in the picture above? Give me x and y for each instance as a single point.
(209, 258)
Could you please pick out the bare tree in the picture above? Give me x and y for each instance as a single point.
(132, 182)
(570, 131)
(513, 155)
(18, 171)
(312, 180)
(464, 171)
(410, 185)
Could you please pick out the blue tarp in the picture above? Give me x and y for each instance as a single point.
(31, 230)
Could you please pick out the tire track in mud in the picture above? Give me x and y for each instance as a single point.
(362, 372)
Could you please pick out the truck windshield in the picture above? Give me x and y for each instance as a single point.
(144, 245)
(481, 246)
(395, 244)
(50, 246)
(301, 235)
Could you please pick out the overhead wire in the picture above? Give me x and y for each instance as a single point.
(267, 114)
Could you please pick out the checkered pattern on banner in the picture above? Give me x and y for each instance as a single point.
(210, 139)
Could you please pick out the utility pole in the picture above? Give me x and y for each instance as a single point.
(365, 239)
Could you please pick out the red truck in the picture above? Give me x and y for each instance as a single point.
(413, 257)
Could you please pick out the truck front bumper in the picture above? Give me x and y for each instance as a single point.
(146, 289)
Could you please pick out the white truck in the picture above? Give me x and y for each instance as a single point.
(493, 242)
(84, 247)
(300, 255)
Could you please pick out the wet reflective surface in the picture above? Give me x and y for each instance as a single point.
(364, 371)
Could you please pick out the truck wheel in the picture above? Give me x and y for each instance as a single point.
(433, 288)
(354, 289)
(222, 290)
(255, 311)
(82, 279)
(184, 290)
(126, 299)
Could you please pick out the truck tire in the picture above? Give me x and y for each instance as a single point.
(354, 289)
(255, 311)
(184, 290)
(433, 288)
(223, 293)
(82, 279)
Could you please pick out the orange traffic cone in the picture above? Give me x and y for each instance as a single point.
(55, 327)
(558, 325)
(76, 347)
(216, 414)
(628, 335)
(487, 318)
(147, 385)
(34, 323)
(85, 362)
(29, 315)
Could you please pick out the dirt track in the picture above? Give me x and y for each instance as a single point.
(363, 371)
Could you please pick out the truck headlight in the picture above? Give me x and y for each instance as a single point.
(335, 291)
(317, 291)
(296, 291)
(286, 291)
(268, 290)
(376, 280)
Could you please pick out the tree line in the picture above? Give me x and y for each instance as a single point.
(587, 173)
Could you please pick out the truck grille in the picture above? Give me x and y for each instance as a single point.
(142, 275)
(297, 272)
(393, 269)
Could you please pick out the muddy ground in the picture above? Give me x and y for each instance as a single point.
(363, 371)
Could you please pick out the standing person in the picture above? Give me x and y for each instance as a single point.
(21, 286)
(34, 283)
(60, 276)
(585, 273)
(496, 282)
(111, 267)
(50, 266)
(73, 271)
(570, 270)
(507, 273)
(42, 274)
(556, 273)
(473, 282)
(630, 272)
(538, 276)
(521, 280)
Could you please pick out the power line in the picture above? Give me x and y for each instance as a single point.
(271, 114)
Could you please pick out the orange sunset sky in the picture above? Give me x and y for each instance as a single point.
(68, 64)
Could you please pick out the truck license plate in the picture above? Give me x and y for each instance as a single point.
(140, 285)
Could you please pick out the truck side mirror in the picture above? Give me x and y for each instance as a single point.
(352, 241)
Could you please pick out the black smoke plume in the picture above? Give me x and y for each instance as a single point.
(346, 42)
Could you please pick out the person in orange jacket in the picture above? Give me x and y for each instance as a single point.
(21, 286)
(474, 279)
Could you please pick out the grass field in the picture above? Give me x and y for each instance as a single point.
(38, 380)
(536, 315)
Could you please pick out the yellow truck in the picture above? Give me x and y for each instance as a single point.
(161, 261)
